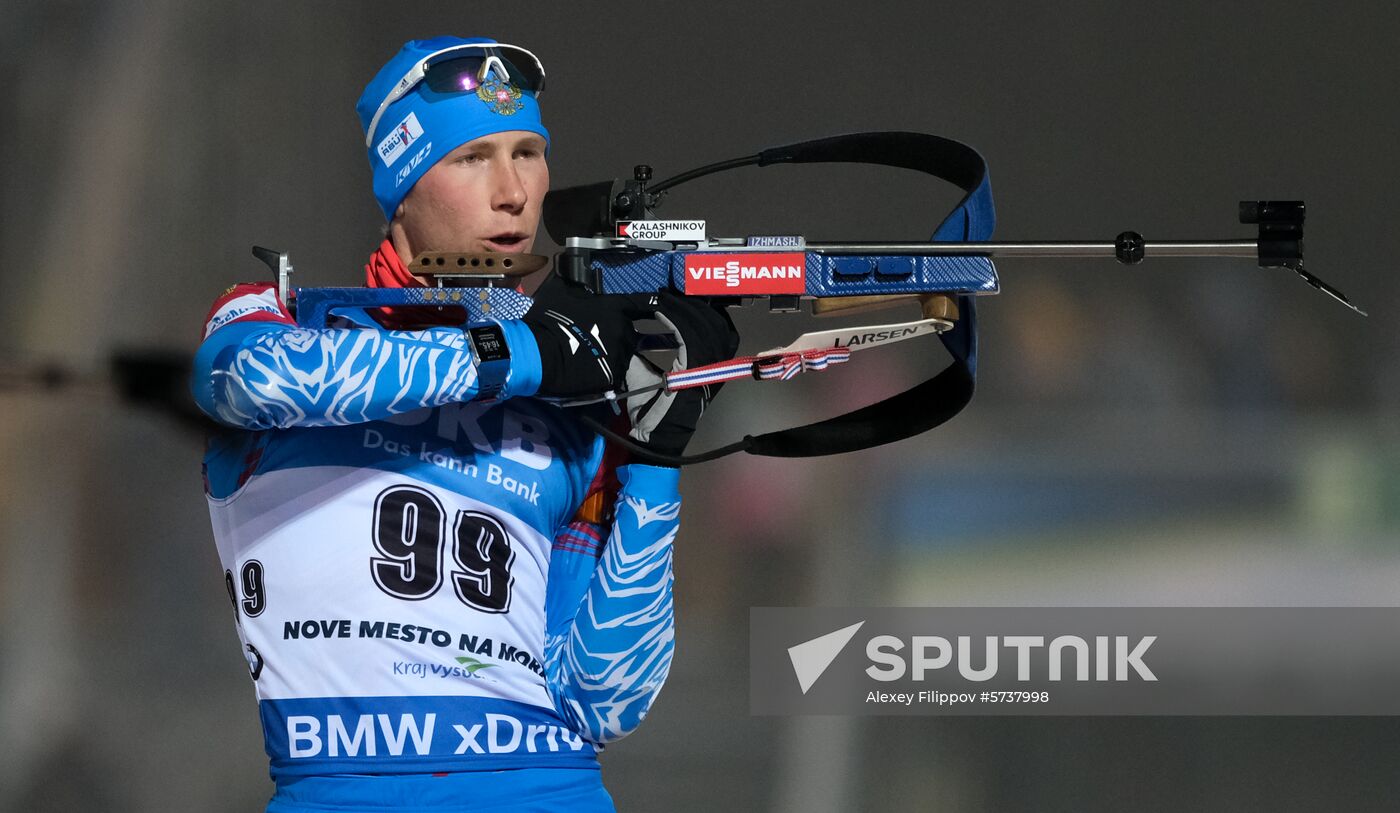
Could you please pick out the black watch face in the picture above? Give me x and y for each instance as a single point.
(489, 343)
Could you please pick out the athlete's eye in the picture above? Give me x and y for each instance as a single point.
(527, 152)
(470, 158)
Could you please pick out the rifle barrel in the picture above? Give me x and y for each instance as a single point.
(1057, 248)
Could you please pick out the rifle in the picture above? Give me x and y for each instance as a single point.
(613, 243)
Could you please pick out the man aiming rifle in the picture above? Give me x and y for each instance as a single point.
(450, 594)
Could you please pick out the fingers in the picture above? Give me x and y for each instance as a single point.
(704, 329)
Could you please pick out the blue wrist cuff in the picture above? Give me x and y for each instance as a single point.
(525, 368)
(652, 482)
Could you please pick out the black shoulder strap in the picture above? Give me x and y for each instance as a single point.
(930, 403)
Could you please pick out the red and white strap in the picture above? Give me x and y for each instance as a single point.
(765, 367)
(810, 351)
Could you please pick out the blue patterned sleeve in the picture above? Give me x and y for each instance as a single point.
(267, 374)
(611, 631)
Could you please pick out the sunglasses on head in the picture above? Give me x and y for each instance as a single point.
(463, 69)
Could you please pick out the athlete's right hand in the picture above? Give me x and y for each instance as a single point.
(586, 340)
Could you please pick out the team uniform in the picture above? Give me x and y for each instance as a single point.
(445, 603)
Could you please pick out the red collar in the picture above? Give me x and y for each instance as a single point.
(386, 270)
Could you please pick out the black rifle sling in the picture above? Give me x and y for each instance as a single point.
(925, 405)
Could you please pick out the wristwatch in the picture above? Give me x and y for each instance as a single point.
(492, 357)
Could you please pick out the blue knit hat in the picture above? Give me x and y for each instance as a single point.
(414, 132)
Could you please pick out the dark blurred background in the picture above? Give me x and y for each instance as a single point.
(1184, 432)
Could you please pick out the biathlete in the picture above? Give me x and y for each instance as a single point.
(450, 593)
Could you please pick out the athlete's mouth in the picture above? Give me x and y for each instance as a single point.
(507, 241)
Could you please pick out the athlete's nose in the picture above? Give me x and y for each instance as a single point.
(509, 194)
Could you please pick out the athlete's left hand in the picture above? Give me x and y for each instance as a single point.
(664, 421)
